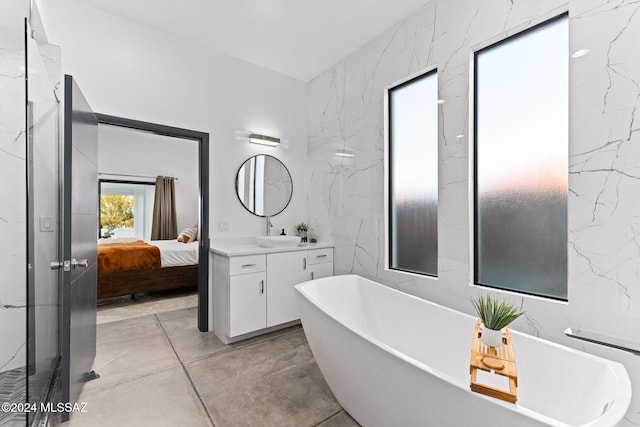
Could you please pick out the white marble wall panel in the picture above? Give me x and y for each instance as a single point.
(604, 207)
(346, 201)
(13, 352)
(12, 189)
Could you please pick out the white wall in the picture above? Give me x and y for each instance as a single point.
(345, 110)
(130, 70)
(133, 152)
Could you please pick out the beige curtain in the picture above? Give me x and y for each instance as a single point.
(164, 225)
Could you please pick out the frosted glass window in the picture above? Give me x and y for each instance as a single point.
(521, 161)
(413, 175)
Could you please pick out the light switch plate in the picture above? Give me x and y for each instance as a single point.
(46, 223)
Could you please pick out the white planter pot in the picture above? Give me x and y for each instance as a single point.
(491, 337)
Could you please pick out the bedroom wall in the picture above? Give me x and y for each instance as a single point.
(132, 152)
(129, 70)
(345, 110)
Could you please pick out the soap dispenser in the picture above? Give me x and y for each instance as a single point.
(283, 233)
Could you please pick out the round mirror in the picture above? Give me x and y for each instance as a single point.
(264, 185)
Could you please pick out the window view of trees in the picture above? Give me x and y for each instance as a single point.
(126, 209)
(116, 211)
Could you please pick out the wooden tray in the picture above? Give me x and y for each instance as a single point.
(500, 361)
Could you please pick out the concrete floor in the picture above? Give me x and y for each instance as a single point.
(125, 307)
(159, 370)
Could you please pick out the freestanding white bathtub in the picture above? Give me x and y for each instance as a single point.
(392, 359)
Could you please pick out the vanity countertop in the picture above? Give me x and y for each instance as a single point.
(249, 246)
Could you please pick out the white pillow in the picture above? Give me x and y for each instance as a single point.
(188, 235)
(195, 234)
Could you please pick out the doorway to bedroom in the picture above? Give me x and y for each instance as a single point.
(153, 220)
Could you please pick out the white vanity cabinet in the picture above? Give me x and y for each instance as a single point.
(253, 294)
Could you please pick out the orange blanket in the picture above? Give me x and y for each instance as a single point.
(137, 255)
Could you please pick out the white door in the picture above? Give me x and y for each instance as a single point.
(247, 303)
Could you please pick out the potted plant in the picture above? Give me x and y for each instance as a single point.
(302, 230)
(496, 314)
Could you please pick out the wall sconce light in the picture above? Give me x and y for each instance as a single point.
(580, 52)
(343, 153)
(255, 138)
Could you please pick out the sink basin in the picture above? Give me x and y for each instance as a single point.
(278, 241)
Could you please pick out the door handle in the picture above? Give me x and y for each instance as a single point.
(312, 275)
(79, 263)
(262, 286)
(304, 263)
(64, 265)
(248, 265)
(321, 256)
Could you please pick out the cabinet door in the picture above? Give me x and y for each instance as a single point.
(247, 303)
(321, 270)
(284, 271)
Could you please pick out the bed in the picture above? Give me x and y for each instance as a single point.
(130, 266)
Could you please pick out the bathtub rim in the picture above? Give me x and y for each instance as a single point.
(615, 411)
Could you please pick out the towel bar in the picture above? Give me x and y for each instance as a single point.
(604, 340)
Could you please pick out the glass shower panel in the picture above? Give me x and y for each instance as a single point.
(413, 175)
(522, 161)
(13, 250)
(43, 232)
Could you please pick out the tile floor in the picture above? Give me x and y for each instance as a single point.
(159, 370)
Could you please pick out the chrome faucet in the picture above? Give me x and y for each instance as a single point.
(269, 225)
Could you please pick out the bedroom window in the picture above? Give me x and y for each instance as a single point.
(126, 209)
(521, 161)
(412, 165)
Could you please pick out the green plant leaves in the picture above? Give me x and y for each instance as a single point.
(494, 312)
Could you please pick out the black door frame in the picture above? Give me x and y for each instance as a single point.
(203, 159)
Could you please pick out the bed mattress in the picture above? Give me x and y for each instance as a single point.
(174, 253)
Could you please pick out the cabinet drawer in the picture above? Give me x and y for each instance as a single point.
(318, 256)
(247, 264)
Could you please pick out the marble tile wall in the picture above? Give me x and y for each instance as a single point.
(346, 195)
(12, 190)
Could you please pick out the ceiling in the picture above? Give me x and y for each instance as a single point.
(298, 38)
